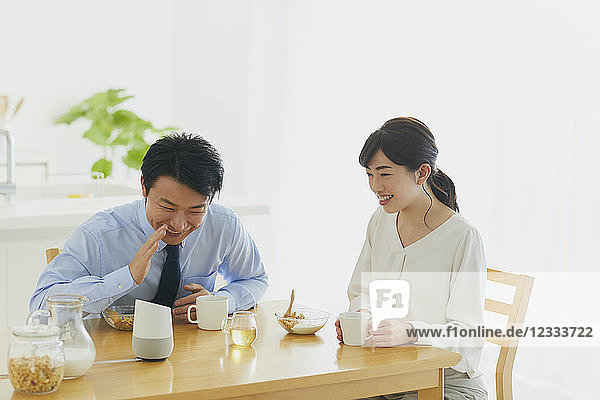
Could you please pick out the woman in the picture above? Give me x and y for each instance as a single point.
(417, 235)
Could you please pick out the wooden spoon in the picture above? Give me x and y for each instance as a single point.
(3, 106)
(19, 104)
(288, 313)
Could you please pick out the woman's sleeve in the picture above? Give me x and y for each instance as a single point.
(358, 290)
(466, 300)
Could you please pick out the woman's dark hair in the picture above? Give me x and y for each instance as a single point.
(409, 142)
(188, 159)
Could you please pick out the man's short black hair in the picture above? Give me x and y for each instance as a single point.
(188, 159)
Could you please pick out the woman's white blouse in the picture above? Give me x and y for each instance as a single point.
(446, 273)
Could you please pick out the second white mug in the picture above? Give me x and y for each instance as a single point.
(210, 312)
(355, 326)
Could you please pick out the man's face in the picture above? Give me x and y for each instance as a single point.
(175, 205)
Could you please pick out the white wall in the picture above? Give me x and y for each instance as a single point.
(263, 172)
(209, 76)
(57, 53)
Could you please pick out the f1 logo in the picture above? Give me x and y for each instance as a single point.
(389, 298)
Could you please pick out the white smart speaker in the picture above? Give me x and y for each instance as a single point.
(152, 331)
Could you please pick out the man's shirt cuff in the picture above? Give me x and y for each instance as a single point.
(117, 283)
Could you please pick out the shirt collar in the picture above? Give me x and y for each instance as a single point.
(147, 228)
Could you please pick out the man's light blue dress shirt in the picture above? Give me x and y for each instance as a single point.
(94, 261)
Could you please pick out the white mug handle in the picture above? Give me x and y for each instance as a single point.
(225, 323)
(189, 310)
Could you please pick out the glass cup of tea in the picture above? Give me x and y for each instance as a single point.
(241, 327)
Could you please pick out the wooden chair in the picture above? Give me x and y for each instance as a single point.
(516, 316)
(51, 253)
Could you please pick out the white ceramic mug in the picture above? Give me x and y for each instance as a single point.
(210, 312)
(355, 327)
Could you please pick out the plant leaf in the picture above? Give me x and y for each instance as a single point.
(123, 138)
(99, 133)
(135, 156)
(98, 101)
(74, 113)
(163, 130)
(103, 166)
(118, 128)
(124, 118)
(114, 98)
(138, 139)
(104, 100)
(142, 125)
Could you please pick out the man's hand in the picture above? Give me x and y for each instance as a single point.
(392, 332)
(140, 264)
(181, 305)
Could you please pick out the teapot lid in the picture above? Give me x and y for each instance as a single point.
(34, 328)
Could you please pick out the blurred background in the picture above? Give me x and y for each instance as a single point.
(288, 91)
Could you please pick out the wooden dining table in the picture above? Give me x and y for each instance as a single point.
(205, 365)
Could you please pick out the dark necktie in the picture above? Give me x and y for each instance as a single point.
(169, 279)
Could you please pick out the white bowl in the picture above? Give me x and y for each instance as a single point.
(313, 321)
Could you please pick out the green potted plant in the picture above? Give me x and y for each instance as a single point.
(113, 127)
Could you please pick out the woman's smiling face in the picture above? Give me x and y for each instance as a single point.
(171, 203)
(394, 185)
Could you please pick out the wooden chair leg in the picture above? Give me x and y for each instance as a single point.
(504, 386)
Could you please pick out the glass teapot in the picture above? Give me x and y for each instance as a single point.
(66, 313)
(241, 327)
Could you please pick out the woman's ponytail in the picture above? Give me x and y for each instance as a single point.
(443, 188)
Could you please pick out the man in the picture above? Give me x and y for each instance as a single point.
(166, 248)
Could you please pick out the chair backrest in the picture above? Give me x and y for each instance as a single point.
(516, 315)
(51, 253)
